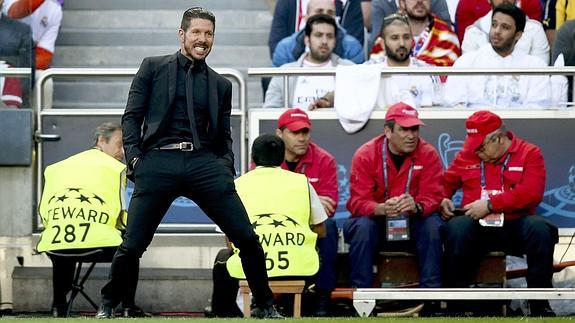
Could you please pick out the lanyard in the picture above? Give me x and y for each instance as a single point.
(483, 184)
(386, 176)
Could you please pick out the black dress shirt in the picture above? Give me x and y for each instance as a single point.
(177, 127)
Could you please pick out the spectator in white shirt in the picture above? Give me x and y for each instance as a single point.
(320, 37)
(533, 42)
(500, 91)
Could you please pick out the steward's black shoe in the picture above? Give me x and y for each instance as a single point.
(268, 312)
(322, 305)
(105, 312)
(540, 308)
(135, 311)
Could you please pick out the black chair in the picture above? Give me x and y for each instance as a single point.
(90, 257)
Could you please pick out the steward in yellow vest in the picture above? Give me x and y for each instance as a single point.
(286, 213)
(82, 210)
(278, 205)
(81, 205)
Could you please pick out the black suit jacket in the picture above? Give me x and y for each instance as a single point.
(152, 94)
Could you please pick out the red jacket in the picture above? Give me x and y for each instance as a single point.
(523, 179)
(320, 168)
(366, 183)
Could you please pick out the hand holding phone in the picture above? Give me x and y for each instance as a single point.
(458, 212)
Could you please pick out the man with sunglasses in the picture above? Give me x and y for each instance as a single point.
(434, 41)
(503, 181)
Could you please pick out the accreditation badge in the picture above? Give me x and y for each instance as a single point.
(493, 219)
(397, 228)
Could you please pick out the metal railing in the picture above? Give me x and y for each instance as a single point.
(113, 72)
(16, 72)
(297, 71)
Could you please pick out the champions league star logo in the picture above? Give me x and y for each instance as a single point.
(76, 203)
(286, 231)
(79, 194)
(274, 219)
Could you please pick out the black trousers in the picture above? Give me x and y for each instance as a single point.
(466, 241)
(63, 275)
(160, 177)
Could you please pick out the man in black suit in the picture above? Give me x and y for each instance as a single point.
(177, 142)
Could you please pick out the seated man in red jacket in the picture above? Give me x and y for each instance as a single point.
(503, 181)
(395, 191)
(319, 166)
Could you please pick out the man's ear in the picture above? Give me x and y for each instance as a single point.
(279, 133)
(181, 34)
(518, 36)
(306, 40)
(401, 6)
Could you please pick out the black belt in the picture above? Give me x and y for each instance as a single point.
(183, 146)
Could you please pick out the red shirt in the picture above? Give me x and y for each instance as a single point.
(523, 179)
(320, 168)
(366, 184)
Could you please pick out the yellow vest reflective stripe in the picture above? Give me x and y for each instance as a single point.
(277, 202)
(81, 202)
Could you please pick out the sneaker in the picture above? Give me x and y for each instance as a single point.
(268, 312)
(135, 311)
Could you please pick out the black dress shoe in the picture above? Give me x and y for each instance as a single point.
(540, 308)
(105, 312)
(322, 305)
(135, 311)
(58, 311)
(268, 312)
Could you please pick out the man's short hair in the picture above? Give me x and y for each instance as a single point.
(319, 19)
(106, 130)
(268, 150)
(196, 12)
(517, 14)
(394, 18)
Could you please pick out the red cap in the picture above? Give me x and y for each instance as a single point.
(294, 119)
(404, 115)
(479, 125)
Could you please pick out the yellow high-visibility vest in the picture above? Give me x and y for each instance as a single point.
(278, 205)
(81, 203)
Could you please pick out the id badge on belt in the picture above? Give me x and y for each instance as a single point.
(492, 219)
(397, 228)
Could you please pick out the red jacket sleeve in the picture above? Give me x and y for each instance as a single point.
(328, 178)
(362, 184)
(430, 191)
(452, 178)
